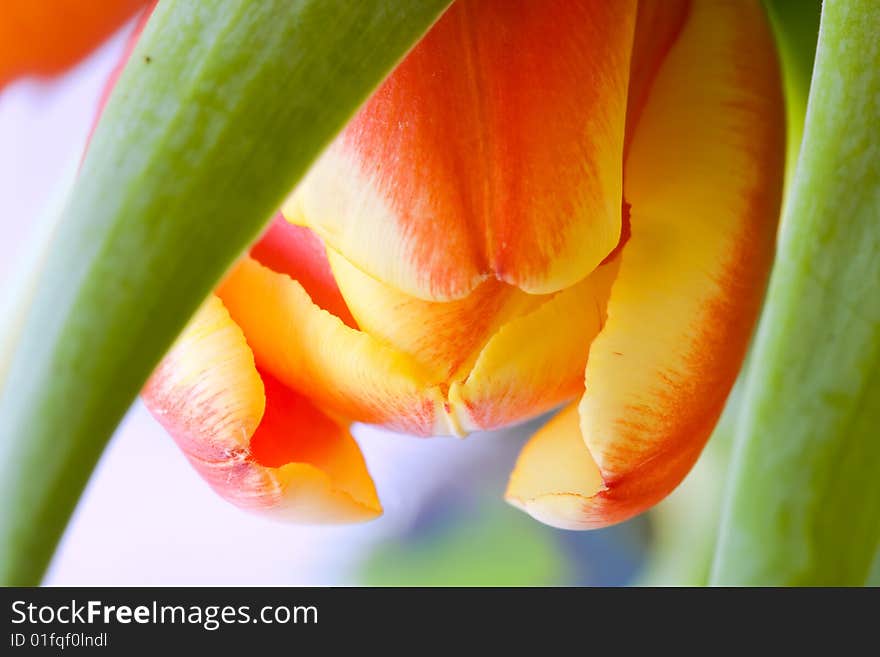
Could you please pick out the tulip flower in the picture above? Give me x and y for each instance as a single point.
(546, 204)
(45, 38)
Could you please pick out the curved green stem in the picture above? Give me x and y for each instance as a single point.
(804, 501)
(221, 109)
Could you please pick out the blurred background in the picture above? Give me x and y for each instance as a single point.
(148, 519)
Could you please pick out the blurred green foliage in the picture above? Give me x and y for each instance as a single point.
(494, 546)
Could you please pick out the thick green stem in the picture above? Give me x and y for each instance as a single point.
(221, 109)
(804, 501)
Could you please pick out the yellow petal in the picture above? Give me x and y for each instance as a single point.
(344, 370)
(536, 361)
(555, 478)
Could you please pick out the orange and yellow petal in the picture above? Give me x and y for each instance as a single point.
(703, 178)
(492, 151)
(556, 479)
(259, 445)
(45, 37)
(346, 371)
(316, 466)
(534, 362)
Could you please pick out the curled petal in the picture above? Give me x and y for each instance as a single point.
(536, 361)
(556, 479)
(443, 336)
(493, 150)
(258, 444)
(343, 369)
(703, 178)
(314, 465)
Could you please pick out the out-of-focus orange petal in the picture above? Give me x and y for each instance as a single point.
(536, 361)
(441, 336)
(703, 177)
(299, 253)
(120, 65)
(45, 37)
(259, 445)
(344, 370)
(493, 150)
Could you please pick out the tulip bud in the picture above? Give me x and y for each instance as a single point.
(547, 203)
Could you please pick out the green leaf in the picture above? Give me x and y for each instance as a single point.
(804, 502)
(221, 109)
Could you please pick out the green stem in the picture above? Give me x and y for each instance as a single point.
(803, 506)
(221, 109)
